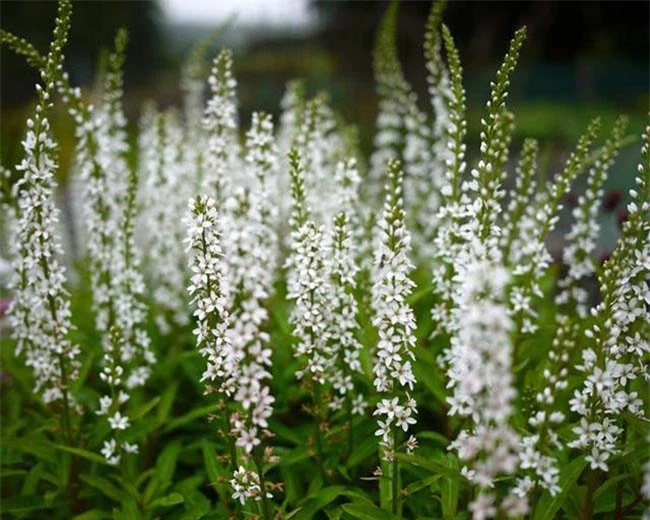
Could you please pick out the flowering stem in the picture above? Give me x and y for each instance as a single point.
(67, 426)
(318, 401)
(395, 477)
(618, 510)
(592, 482)
(266, 511)
(350, 431)
(229, 439)
(62, 364)
(53, 311)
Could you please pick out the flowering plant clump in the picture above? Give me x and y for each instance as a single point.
(264, 322)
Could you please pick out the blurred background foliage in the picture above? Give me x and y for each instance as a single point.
(581, 59)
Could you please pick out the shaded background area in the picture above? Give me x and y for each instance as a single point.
(581, 59)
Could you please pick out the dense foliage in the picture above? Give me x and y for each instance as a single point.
(265, 323)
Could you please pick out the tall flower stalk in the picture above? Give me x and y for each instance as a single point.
(395, 322)
(40, 311)
(118, 284)
(617, 350)
(230, 338)
(307, 279)
(344, 347)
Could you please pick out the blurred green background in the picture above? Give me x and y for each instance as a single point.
(581, 59)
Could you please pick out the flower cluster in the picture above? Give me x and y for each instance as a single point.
(448, 241)
(117, 280)
(546, 418)
(480, 373)
(537, 459)
(246, 484)
(307, 282)
(250, 257)
(619, 347)
(108, 202)
(472, 282)
(241, 268)
(40, 311)
(229, 336)
(164, 178)
(394, 319)
(405, 132)
(581, 239)
(220, 124)
(528, 252)
(343, 347)
(209, 293)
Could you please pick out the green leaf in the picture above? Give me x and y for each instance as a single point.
(605, 496)
(129, 511)
(450, 489)
(609, 484)
(190, 417)
(170, 500)
(93, 514)
(436, 437)
(548, 506)
(166, 463)
(36, 445)
(166, 403)
(109, 489)
(36, 474)
(366, 512)
(27, 503)
(165, 468)
(362, 451)
(334, 515)
(322, 498)
(210, 462)
(8, 472)
(89, 455)
(196, 504)
(424, 373)
(418, 485)
(288, 458)
(83, 372)
(430, 465)
(144, 476)
(144, 409)
(283, 432)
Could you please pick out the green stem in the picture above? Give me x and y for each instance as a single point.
(319, 438)
(67, 423)
(266, 510)
(588, 507)
(229, 440)
(350, 431)
(395, 478)
(618, 510)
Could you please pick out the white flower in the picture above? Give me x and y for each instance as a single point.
(597, 459)
(248, 439)
(359, 405)
(105, 403)
(130, 448)
(109, 452)
(483, 508)
(245, 485)
(118, 421)
(384, 430)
